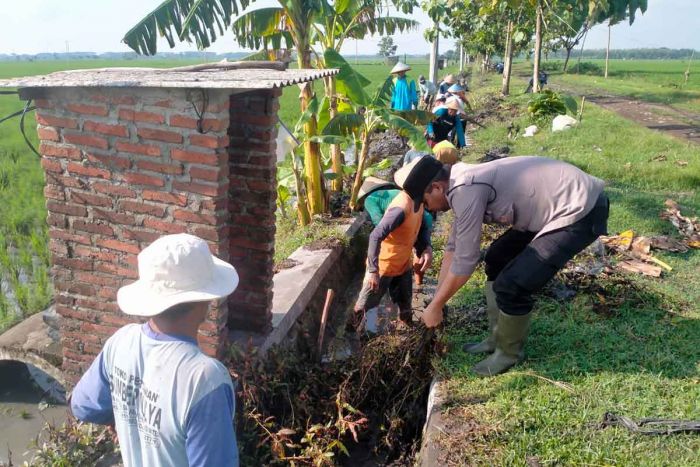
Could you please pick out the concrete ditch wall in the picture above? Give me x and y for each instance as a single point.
(299, 291)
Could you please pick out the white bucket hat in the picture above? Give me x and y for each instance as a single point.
(399, 67)
(176, 269)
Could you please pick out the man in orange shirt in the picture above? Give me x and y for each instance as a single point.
(390, 256)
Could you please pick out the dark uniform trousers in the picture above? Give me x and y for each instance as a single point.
(521, 266)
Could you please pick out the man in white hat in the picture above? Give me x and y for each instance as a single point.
(554, 211)
(171, 405)
(404, 96)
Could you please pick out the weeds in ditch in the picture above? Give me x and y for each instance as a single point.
(295, 410)
(72, 444)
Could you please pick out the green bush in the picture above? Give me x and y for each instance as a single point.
(551, 66)
(586, 68)
(545, 105)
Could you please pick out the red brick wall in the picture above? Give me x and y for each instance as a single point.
(124, 167)
(253, 194)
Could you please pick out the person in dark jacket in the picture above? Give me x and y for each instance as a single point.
(446, 120)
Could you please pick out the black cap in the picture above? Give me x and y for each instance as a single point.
(415, 177)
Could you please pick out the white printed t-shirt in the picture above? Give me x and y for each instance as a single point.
(171, 405)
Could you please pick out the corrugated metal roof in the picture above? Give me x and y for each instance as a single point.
(164, 78)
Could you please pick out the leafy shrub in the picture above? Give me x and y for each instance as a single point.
(586, 68)
(74, 444)
(551, 66)
(546, 104)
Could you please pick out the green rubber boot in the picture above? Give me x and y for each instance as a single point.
(488, 345)
(511, 332)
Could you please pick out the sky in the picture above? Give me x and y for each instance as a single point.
(34, 26)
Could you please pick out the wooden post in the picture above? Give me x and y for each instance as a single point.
(324, 319)
(538, 50)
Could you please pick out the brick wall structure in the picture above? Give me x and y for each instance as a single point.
(252, 202)
(126, 165)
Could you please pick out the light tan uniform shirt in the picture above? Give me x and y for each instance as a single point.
(529, 193)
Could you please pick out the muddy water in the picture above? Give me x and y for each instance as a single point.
(24, 410)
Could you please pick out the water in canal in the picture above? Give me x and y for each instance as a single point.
(25, 408)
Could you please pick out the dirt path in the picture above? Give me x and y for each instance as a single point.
(664, 118)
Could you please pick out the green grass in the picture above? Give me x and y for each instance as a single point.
(289, 236)
(639, 360)
(658, 81)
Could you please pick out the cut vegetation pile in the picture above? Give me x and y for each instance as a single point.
(370, 407)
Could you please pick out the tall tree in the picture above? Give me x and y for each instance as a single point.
(387, 48)
(567, 27)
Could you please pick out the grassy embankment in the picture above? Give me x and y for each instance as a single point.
(656, 81)
(632, 351)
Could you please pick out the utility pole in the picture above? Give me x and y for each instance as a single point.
(434, 54)
(538, 50)
(607, 52)
(67, 47)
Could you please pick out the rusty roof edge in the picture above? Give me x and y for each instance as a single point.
(54, 80)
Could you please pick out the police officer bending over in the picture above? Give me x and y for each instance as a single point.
(554, 211)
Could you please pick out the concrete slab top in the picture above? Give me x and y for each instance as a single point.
(239, 79)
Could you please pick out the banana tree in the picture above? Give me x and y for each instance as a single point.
(366, 115)
(342, 20)
(291, 23)
(328, 25)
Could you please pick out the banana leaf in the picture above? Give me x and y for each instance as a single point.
(404, 128)
(200, 20)
(344, 124)
(348, 82)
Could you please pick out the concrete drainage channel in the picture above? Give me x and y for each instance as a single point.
(369, 393)
(392, 367)
(31, 386)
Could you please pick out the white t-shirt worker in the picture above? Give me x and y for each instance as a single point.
(171, 405)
